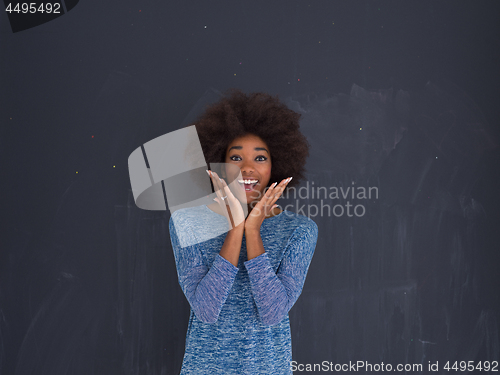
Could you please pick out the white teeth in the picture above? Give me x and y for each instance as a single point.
(248, 181)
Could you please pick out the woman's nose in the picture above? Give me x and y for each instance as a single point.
(247, 168)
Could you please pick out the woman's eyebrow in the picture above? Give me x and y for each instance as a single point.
(256, 148)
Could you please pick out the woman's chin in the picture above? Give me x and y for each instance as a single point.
(250, 196)
(253, 195)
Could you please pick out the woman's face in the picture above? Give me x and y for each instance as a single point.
(251, 154)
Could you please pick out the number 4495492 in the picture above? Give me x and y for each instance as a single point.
(471, 366)
(32, 8)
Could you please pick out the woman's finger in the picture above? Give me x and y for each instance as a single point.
(269, 191)
(228, 194)
(226, 188)
(278, 190)
(276, 194)
(261, 205)
(221, 198)
(274, 190)
(216, 185)
(233, 205)
(212, 178)
(219, 188)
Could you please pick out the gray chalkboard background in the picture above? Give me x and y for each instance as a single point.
(401, 96)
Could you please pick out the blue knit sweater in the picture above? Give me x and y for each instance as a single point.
(239, 321)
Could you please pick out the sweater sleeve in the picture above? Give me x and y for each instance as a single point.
(205, 289)
(276, 293)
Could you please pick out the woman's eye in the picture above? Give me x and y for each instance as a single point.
(259, 158)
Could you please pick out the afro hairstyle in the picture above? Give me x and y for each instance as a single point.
(237, 114)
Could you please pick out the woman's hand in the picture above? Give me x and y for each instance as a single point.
(230, 205)
(265, 205)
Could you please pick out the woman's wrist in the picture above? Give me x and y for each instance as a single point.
(239, 228)
(232, 245)
(252, 229)
(255, 247)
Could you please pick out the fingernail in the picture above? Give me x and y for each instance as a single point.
(274, 184)
(208, 172)
(290, 179)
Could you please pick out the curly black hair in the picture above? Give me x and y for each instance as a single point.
(237, 114)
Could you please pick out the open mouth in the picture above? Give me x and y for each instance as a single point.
(249, 185)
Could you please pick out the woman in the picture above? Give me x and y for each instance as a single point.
(241, 284)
